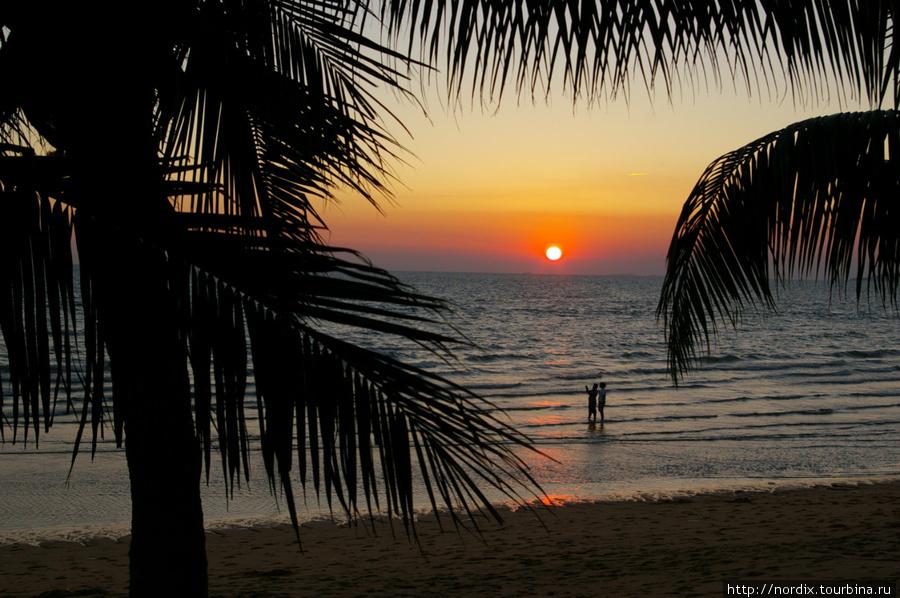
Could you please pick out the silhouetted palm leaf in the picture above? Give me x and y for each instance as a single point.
(37, 303)
(812, 198)
(257, 262)
(600, 48)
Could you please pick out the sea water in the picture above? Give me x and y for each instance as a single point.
(807, 395)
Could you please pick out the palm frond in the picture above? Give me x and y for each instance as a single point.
(356, 415)
(814, 198)
(318, 126)
(599, 47)
(37, 303)
(257, 266)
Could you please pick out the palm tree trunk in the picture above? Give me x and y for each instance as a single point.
(148, 362)
(92, 73)
(139, 320)
(168, 545)
(139, 314)
(152, 390)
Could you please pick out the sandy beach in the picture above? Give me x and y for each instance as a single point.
(681, 547)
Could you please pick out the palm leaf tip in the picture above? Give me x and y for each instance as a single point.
(818, 197)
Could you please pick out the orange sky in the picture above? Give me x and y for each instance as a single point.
(488, 192)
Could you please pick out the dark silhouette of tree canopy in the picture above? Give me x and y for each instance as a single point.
(189, 143)
(821, 196)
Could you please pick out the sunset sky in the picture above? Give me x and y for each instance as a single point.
(489, 192)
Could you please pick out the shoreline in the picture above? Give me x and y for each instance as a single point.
(559, 495)
(685, 545)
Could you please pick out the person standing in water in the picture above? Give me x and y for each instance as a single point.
(601, 399)
(592, 402)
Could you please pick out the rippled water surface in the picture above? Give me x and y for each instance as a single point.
(809, 394)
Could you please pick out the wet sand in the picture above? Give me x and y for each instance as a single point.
(680, 547)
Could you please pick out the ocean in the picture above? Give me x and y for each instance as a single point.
(804, 396)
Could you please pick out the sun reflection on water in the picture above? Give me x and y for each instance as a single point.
(558, 500)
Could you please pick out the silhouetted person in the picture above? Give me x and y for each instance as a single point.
(601, 400)
(592, 402)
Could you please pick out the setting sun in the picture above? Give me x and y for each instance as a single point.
(554, 253)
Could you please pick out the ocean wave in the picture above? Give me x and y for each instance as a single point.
(665, 418)
(638, 389)
(580, 376)
(872, 354)
(683, 417)
(714, 436)
(654, 371)
(727, 358)
(497, 357)
(822, 411)
(866, 407)
(809, 364)
(761, 398)
(879, 367)
(530, 393)
(495, 386)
